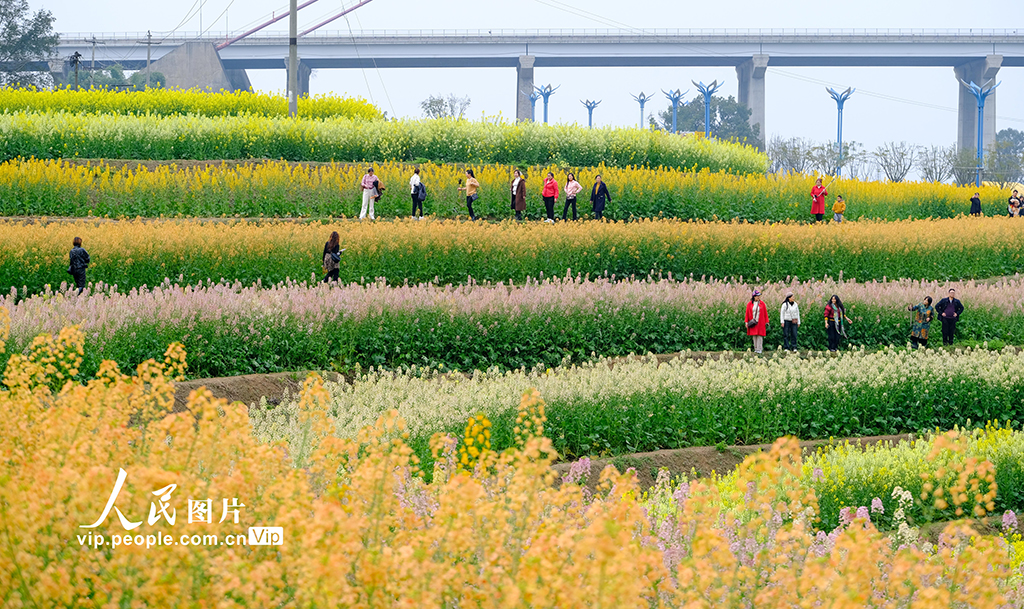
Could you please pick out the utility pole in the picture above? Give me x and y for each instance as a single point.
(76, 59)
(92, 69)
(149, 48)
(293, 58)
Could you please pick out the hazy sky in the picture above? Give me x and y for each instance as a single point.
(797, 104)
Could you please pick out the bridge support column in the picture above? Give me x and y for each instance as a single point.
(304, 72)
(751, 92)
(979, 71)
(524, 87)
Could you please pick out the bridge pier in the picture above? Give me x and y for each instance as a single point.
(524, 87)
(979, 71)
(304, 72)
(751, 92)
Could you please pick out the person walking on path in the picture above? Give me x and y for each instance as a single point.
(789, 318)
(924, 313)
(471, 192)
(818, 194)
(949, 309)
(572, 188)
(838, 209)
(757, 320)
(835, 315)
(370, 193)
(79, 261)
(332, 258)
(599, 196)
(976, 205)
(418, 193)
(550, 194)
(518, 194)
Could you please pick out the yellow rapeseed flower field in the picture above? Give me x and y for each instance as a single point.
(157, 101)
(500, 534)
(279, 189)
(137, 252)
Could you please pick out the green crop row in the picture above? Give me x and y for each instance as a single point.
(640, 406)
(53, 135)
(230, 329)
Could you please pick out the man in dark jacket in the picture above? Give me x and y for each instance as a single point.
(949, 310)
(79, 262)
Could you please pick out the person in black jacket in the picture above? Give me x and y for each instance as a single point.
(949, 310)
(976, 205)
(332, 257)
(79, 262)
(599, 196)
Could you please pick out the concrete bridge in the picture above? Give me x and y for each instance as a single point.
(973, 54)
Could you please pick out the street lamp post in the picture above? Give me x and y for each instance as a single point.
(546, 92)
(707, 91)
(840, 100)
(590, 110)
(674, 97)
(533, 105)
(643, 100)
(980, 93)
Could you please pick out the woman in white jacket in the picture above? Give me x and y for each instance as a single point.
(789, 318)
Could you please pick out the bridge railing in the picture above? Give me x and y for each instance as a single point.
(482, 33)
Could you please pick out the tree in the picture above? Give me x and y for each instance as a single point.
(895, 160)
(964, 166)
(935, 163)
(1005, 164)
(24, 39)
(823, 157)
(439, 106)
(114, 78)
(789, 155)
(729, 119)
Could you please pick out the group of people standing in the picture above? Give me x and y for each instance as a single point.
(373, 189)
(948, 311)
(1014, 206)
(550, 190)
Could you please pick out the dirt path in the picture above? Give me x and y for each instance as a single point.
(249, 388)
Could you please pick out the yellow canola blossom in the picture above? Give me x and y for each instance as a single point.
(499, 536)
(157, 101)
(277, 188)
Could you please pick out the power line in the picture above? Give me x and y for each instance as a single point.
(381, 79)
(884, 96)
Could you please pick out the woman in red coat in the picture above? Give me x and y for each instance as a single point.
(818, 194)
(757, 320)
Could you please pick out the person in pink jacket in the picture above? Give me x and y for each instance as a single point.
(550, 194)
(757, 320)
(572, 188)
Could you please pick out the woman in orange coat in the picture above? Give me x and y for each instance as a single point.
(757, 320)
(818, 194)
